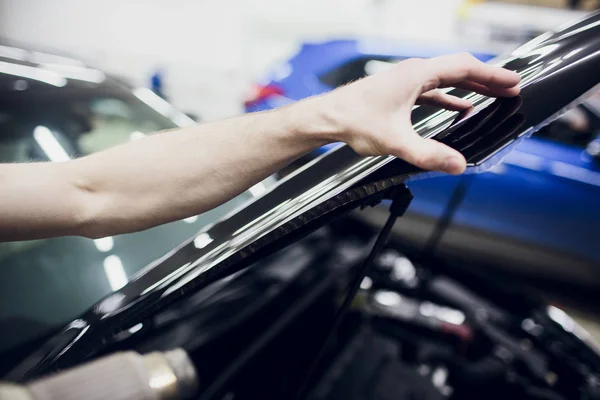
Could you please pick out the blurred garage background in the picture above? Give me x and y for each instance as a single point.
(210, 52)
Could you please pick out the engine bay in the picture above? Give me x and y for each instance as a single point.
(413, 331)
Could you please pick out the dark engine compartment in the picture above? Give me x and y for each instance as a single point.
(414, 331)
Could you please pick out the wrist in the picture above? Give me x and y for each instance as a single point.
(314, 121)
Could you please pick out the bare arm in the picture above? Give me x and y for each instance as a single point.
(177, 174)
(155, 180)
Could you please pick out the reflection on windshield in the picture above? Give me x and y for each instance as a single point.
(117, 278)
(47, 283)
(49, 144)
(104, 244)
(163, 107)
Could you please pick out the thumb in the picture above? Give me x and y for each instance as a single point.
(429, 154)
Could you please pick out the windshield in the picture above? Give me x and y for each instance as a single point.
(47, 283)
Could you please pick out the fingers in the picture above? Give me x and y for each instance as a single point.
(443, 100)
(428, 154)
(456, 68)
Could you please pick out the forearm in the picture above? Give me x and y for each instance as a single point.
(163, 177)
(177, 174)
(37, 201)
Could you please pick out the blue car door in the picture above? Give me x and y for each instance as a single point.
(545, 195)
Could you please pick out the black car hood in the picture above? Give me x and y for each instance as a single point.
(557, 69)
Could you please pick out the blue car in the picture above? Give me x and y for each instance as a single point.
(320, 67)
(538, 212)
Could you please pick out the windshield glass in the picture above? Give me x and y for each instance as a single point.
(47, 283)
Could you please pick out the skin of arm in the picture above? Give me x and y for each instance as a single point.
(185, 172)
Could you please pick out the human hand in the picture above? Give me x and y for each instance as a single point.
(373, 114)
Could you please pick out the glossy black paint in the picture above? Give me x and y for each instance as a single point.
(558, 69)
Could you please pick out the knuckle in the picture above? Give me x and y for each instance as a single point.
(420, 159)
(362, 148)
(428, 160)
(423, 161)
(371, 145)
(468, 70)
(412, 63)
(436, 95)
(395, 149)
(428, 78)
(467, 62)
(392, 144)
(467, 57)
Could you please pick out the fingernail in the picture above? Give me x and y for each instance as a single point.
(454, 165)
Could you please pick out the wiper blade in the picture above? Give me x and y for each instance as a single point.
(558, 70)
